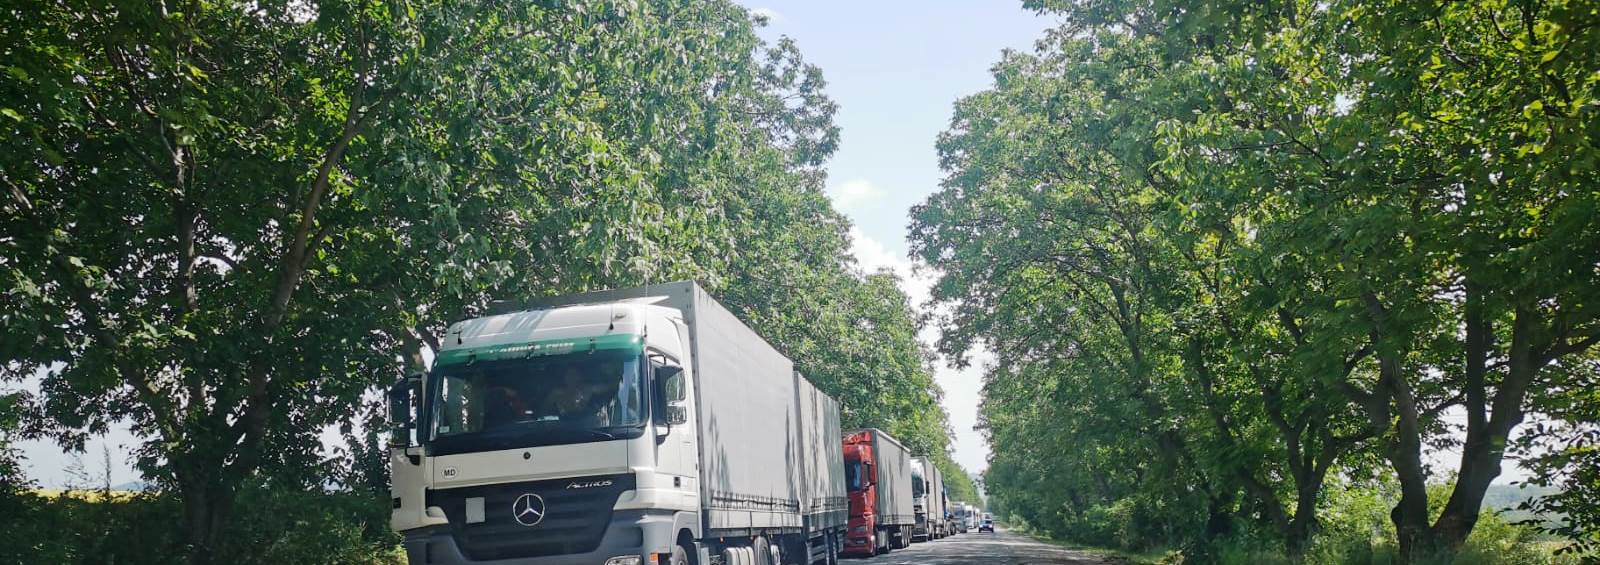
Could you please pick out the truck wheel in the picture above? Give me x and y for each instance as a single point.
(680, 556)
(763, 551)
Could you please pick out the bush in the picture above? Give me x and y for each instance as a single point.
(268, 526)
(295, 526)
(1494, 541)
(89, 527)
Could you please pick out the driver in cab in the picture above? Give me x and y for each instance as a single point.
(580, 400)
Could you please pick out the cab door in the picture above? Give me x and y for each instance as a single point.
(677, 453)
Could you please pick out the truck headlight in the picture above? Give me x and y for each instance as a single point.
(623, 560)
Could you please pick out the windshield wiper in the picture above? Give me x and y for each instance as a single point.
(607, 435)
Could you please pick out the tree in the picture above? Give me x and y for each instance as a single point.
(1134, 288)
(225, 222)
(1444, 228)
(1326, 224)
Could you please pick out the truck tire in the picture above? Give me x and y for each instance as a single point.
(680, 555)
(884, 545)
(763, 551)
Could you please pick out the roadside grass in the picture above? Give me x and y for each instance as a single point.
(1494, 543)
(1149, 557)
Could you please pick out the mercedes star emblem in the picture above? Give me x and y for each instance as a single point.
(528, 509)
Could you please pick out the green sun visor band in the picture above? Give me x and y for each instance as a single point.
(626, 342)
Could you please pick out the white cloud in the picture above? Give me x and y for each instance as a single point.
(854, 193)
(962, 387)
(873, 256)
(772, 16)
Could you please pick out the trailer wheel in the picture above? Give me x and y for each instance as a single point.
(763, 551)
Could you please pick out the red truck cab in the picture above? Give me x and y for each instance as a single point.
(861, 536)
(877, 471)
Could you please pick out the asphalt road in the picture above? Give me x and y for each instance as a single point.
(999, 548)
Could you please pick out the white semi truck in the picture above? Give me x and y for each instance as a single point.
(928, 495)
(964, 515)
(628, 427)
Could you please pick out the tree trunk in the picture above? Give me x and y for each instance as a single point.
(1410, 515)
(206, 503)
(1486, 441)
(1480, 466)
(1304, 526)
(1480, 455)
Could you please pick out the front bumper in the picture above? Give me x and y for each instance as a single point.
(860, 545)
(624, 536)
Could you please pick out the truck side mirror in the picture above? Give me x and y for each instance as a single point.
(672, 392)
(402, 399)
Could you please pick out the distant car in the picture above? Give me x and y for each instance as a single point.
(987, 525)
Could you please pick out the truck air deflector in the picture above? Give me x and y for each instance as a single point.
(467, 355)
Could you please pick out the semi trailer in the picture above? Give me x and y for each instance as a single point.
(639, 426)
(927, 493)
(878, 475)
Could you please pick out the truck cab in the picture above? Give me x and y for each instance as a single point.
(561, 434)
(863, 531)
(878, 480)
(929, 500)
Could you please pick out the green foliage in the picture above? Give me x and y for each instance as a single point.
(85, 527)
(273, 525)
(1226, 251)
(957, 481)
(1566, 468)
(299, 526)
(226, 222)
(12, 478)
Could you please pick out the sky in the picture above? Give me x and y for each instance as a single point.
(896, 68)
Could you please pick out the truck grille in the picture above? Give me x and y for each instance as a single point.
(577, 511)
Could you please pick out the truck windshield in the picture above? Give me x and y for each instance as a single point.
(852, 475)
(559, 399)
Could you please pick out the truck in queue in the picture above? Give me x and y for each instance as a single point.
(878, 476)
(644, 426)
(927, 495)
(949, 523)
(963, 517)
